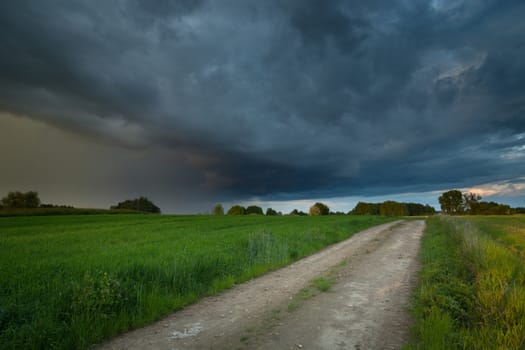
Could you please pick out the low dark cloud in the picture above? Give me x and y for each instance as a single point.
(280, 99)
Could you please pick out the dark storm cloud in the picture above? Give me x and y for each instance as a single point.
(299, 97)
(319, 24)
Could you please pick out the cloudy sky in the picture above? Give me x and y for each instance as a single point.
(271, 102)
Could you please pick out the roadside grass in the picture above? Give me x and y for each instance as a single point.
(67, 282)
(471, 293)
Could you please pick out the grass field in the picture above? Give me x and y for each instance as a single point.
(472, 284)
(70, 281)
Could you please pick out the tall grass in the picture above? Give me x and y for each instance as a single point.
(70, 281)
(472, 285)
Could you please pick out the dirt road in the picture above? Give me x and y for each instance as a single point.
(374, 272)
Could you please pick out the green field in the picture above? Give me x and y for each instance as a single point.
(70, 281)
(471, 293)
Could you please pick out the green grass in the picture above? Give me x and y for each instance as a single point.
(70, 281)
(323, 284)
(471, 293)
(317, 285)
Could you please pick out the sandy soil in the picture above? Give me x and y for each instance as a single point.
(374, 272)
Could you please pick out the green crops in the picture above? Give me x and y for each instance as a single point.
(67, 282)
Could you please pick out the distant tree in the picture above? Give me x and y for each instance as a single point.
(13, 200)
(319, 209)
(31, 199)
(18, 199)
(470, 201)
(392, 208)
(504, 209)
(363, 208)
(519, 210)
(429, 210)
(61, 206)
(416, 209)
(142, 204)
(298, 213)
(451, 202)
(491, 208)
(236, 210)
(253, 210)
(454, 202)
(271, 212)
(218, 210)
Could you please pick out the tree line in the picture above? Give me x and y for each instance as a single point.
(454, 202)
(315, 210)
(393, 208)
(240, 210)
(31, 200)
(387, 208)
(19, 200)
